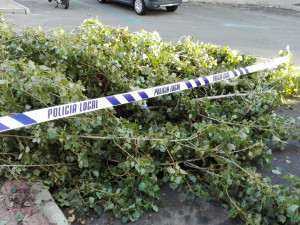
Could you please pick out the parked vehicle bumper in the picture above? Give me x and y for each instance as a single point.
(157, 4)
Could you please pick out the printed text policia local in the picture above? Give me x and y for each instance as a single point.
(72, 108)
(166, 89)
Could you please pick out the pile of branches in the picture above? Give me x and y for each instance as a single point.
(204, 142)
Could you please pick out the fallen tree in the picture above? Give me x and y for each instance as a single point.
(198, 141)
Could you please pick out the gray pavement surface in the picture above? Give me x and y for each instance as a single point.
(260, 30)
(177, 210)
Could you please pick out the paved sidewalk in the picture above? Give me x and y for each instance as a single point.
(10, 6)
(286, 4)
(257, 2)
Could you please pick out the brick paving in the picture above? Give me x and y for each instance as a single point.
(16, 198)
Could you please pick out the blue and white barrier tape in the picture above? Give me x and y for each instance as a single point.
(52, 113)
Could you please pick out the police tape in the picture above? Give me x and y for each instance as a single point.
(56, 112)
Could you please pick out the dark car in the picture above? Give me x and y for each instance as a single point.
(140, 6)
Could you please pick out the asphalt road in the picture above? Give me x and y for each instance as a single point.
(254, 30)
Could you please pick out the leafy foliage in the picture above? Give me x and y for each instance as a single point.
(117, 159)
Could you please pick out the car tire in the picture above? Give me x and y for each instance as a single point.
(171, 8)
(102, 1)
(65, 4)
(139, 7)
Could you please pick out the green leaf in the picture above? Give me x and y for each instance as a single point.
(64, 81)
(155, 208)
(229, 181)
(135, 216)
(19, 217)
(3, 222)
(98, 209)
(99, 195)
(3, 82)
(38, 202)
(156, 188)
(288, 178)
(43, 67)
(231, 147)
(173, 185)
(110, 205)
(142, 186)
(277, 170)
(91, 200)
(282, 218)
(124, 219)
(178, 180)
(25, 218)
(293, 208)
(96, 173)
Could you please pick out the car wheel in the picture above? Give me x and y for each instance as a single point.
(139, 7)
(65, 4)
(171, 8)
(102, 1)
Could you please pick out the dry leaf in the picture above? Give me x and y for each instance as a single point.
(71, 219)
(2, 197)
(28, 203)
(71, 210)
(82, 221)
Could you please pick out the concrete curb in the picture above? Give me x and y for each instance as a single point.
(50, 209)
(282, 6)
(19, 9)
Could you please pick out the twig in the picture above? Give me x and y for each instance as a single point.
(233, 95)
(16, 136)
(123, 150)
(134, 138)
(202, 169)
(250, 147)
(11, 40)
(103, 191)
(170, 164)
(42, 165)
(219, 121)
(236, 165)
(128, 138)
(157, 107)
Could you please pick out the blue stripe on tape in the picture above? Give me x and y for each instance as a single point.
(197, 82)
(143, 94)
(188, 84)
(205, 80)
(235, 74)
(22, 118)
(113, 100)
(247, 71)
(241, 71)
(129, 97)
(3, 127)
